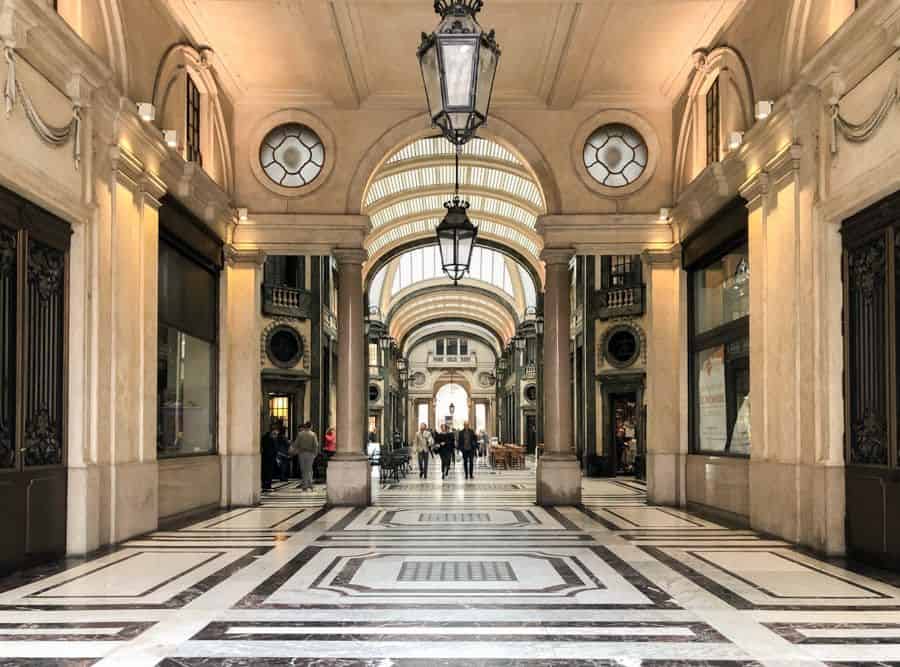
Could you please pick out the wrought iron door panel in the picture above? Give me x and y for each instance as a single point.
(871, 242)
(33, 477)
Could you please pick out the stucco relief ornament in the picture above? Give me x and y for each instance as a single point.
(701, 59)
(864, 130)
(867, 269)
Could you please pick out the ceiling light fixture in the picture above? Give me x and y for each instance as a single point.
(764, 109)
(458, 62)
(171, 138)
(664, 215)
(146, 112)
(735, 139)
(456, 234)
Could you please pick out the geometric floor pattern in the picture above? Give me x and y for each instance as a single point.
(451, 573)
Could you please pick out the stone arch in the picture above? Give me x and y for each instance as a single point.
(707, 66)
(417, 126)
(184, 58)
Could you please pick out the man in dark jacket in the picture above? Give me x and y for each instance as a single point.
(270, 443)
(467, 442)
(444, 442)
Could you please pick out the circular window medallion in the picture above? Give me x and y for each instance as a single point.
(615, 155)
(622, 346)
(284, 346)
(418, 379)
(374, 392)
(531, 392)
(292, 155)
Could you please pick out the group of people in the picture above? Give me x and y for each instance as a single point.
(279, 453)
(445, 443)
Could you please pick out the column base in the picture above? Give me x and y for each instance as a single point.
(558, 480)
(349, 481)
(241, 479)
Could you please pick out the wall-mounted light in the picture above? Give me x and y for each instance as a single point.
(242, 214)
(171, 138)
(146, 112)
(735, 139)
(664, 215)
(764, 109)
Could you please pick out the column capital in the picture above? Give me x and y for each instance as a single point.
(671, 257)
(557, 255)
(350, 255)
(234, 256)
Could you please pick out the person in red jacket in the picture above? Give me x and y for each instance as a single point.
(330, 445)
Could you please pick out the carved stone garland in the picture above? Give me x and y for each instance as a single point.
(860, 132)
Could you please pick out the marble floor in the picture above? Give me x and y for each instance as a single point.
(450, 573)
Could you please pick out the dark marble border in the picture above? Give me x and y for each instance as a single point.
(49, 662)
(129, 630)
(440, 662)
(218, 631)
(791, 632)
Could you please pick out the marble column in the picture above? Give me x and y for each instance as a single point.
(558, 473)
(240, 451)
(349, 474)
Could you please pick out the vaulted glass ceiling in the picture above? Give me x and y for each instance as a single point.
(406, 195)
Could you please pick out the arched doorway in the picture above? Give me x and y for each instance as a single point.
(451, 406)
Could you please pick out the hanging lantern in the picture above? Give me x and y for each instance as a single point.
(458, 62)
(456, 238)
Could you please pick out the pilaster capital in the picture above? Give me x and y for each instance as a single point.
(350, 256)
(668, 258)
(237, 256)
(557, 256)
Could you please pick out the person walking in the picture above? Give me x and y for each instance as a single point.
(445, 443)
(283, 454)
(269, 454)
(307, 446)
(422, 444)
(330, 444)
(467, 442)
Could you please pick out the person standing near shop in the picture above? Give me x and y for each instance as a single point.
(467, 442)
(445, 442)
(269, 445)
(330, 444)
(422, 444)
(307, 446)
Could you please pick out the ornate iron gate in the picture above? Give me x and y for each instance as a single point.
(33, 287)
(872, 394)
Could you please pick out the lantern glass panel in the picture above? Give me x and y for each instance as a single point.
(458, 59)
(464, 248)
(448, 249)
(431, 76)
(487, 67)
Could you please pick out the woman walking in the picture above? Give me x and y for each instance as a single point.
(446, 443)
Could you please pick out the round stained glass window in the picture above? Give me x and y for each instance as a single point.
(292, 155)
(615, 155)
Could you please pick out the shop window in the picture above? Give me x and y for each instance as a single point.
(720, 353)
(186, 372)
(192, 114)
(712, 123)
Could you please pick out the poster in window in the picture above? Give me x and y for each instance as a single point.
(712, 409)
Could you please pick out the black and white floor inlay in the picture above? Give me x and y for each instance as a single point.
(450, 573)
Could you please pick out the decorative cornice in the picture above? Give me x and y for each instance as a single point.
(296, 232)
(606, 233)
(234, 256)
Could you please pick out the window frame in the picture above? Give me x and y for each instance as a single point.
(713, 123)
(193, 122)
(722, 335)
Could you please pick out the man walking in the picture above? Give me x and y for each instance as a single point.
(422, 444)
(444, 440)
(307, 446)
(467, 441)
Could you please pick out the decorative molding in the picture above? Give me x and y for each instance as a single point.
(235, 256)
(669, 258)
(352, 256)
(598, 234)
(557, 256)
(306, 234)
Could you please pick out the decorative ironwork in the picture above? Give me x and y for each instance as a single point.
(867, 266)
(292, 155)
(42, 440)
(869, 440)
(45, 270)
(615, 155)
(7, 252)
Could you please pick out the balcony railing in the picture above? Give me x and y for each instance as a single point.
(469, 360)
(286, 301)
(618, 301)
